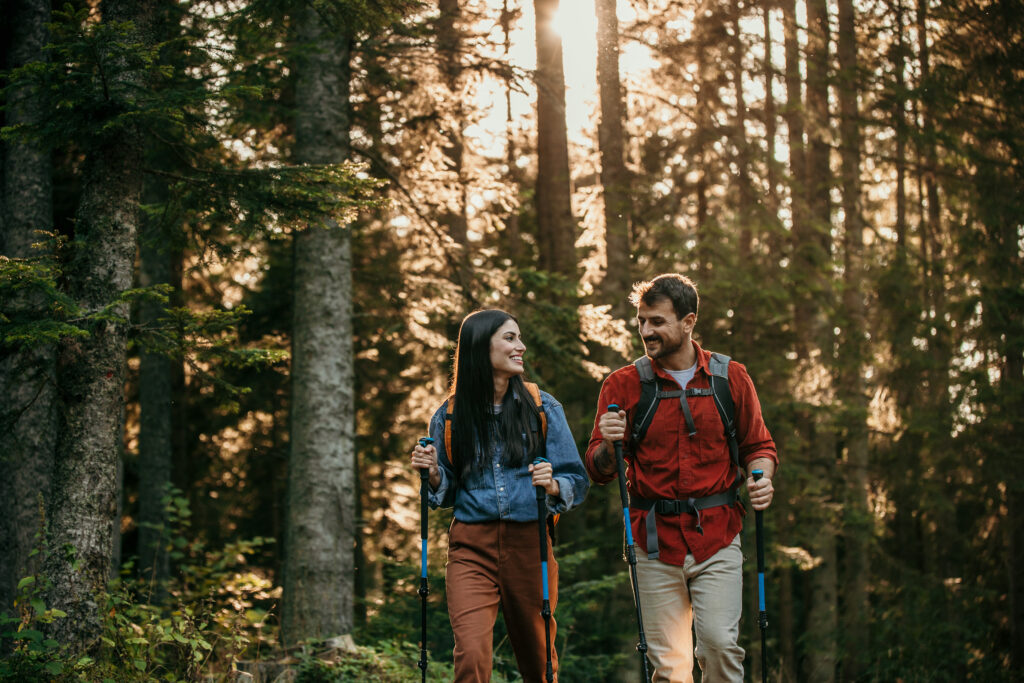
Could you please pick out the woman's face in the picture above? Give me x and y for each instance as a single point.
(507, 350)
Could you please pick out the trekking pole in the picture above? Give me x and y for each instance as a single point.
(762, 615)
(641, 646)
(542, 522)
(424, 486)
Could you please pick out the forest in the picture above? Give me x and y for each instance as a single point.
(237, 238)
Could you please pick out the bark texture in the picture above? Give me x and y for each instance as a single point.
(320, 533)
(28, 415)
(92, 370)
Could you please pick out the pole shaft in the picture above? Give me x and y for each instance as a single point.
(641, 646)
(762, 615)
(424, 588)
(545, 611)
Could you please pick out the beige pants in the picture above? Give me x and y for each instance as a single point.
(707, 595)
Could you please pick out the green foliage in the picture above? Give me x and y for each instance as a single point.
(386, 661)
(32, 655)
(211, 616)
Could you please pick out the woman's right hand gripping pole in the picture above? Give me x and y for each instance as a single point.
(425, 457)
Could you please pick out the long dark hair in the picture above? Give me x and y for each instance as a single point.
(475, 427)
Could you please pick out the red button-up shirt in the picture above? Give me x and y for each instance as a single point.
(671, 464)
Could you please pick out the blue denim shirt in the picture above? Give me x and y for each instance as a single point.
(501, 492)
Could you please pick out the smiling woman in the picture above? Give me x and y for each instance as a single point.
(504, 472)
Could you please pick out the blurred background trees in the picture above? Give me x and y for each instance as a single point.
(841, 178)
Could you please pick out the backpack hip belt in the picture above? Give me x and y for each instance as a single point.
(668, 506)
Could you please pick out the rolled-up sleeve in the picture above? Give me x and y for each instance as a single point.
(566, 465)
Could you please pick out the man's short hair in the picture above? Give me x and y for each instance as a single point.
(678, 289)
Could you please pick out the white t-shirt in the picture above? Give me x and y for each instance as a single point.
(683, 377)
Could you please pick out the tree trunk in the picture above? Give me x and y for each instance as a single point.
(815, 348)
(160, 259)
(92, 370)
(556, 229)
(157, 380)
(512, 242)
(614, 175)
(28, 407)
(746, 204)
(452, 213)
(793, 114)
(853, 393)
(321, 525)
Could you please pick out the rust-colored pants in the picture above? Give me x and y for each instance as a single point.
(491, 564)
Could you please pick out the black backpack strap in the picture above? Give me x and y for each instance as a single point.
(649, 398)
(718, 369)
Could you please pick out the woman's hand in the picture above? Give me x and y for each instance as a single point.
(426, 458)
(543, 476)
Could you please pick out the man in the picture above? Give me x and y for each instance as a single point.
(682, 484)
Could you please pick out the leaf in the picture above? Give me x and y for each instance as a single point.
(27, 581)
(139, 664)
(38, 605)
(54, 668)
(29, 634)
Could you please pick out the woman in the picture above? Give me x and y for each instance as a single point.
(489, 478)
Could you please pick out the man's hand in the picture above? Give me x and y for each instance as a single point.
(612, 427)
(761, 491)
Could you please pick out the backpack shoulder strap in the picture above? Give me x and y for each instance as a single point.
(718, 369)
(648, 403)
(448, 413)
(534, 391)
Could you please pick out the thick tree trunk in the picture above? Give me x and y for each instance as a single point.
(28, 396)
(614, 175)
(556, 229)
(321, 524)
(92, 370)
(853, 393)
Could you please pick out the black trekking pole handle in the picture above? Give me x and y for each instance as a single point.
(424, 485)
(620, 463)
(762, 615)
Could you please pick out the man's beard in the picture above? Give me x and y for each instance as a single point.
(663, 349)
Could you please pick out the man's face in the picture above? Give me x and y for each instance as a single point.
(662, 331)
